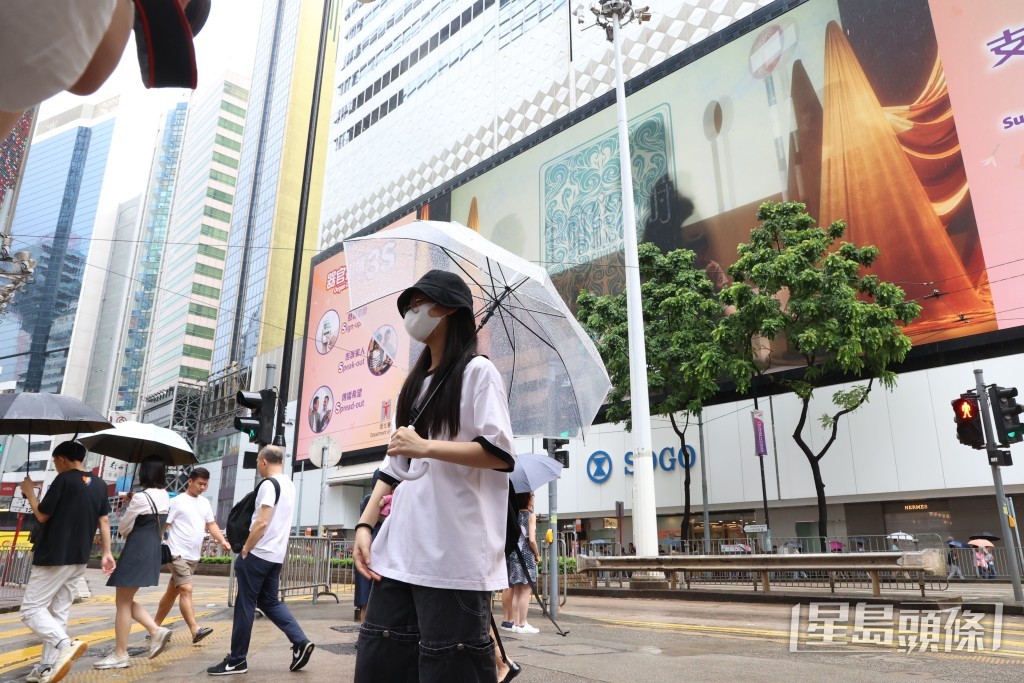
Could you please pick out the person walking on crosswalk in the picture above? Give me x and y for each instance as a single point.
(73, 508)
(191, 516)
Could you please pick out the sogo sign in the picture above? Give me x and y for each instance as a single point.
(600, 465)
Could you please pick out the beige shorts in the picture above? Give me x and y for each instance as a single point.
(182, 571)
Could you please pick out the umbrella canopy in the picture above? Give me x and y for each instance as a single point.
(836, 545)
(47, 414)
(956, 544)
(132, 441)
(532, 471)
(901, 536)
(981, 543)
(985, 536)
(554, 376)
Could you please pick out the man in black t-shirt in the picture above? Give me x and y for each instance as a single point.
(74, 505)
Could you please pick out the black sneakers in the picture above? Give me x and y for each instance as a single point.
(300, 655)
(226, 669)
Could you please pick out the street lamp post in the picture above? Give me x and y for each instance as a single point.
(612, 15)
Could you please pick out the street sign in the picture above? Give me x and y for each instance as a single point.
(20, 504)
(756, 528)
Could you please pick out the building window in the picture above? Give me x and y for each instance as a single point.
(220, 195)
(190, 351)
(192, 373)
(217, 213)
(209, 271)
(225, 159)
(232, 109)
(215, 233)
(194, 330)
(222, 178)
(206, 290)
(229, 125)
(203, 311)
(227, 142)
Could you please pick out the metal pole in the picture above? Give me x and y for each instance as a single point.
(300, 229)
(704, 485)
(997, 478)
(323, 490)
(1016, 530)
(553, 546)
(645, 521)
(298, 506)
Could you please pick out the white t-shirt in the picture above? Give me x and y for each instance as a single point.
(447, 528)
(188, 518)
(140, 505)
(274, 545)
(46, 45)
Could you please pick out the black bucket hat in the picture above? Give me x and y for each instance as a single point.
(447, 289)
(163, 38)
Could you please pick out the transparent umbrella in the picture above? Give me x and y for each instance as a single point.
(554, 376)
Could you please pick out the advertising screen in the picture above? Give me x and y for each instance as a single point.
(870, 111)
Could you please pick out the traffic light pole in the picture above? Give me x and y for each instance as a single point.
(553, 546)
(992, 446)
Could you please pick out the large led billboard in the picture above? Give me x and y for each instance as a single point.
(844, 105)
(902, 117)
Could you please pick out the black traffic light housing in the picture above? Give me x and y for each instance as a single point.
(968, 420)
(260, 423)
(556, 448)
(1006, 414)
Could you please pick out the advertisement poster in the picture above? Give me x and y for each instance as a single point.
(840, 104)
(983, 55)
(355, 363)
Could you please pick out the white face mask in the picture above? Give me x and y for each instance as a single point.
(419, 323)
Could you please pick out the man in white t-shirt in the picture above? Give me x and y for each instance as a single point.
(258, 568)
(188, 521)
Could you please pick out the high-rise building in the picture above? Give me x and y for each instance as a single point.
(258, 269)
(427, 90)
(55, 219)
(148, 261)
(193, 260)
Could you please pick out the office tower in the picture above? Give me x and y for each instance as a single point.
(258, 269)
(192, 269)
(55, 218)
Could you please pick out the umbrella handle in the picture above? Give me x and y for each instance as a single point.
(402, 467)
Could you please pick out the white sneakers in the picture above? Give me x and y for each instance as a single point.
(37, 673)
(67, 657)
(525, 628)
(158, 642)
(112, 662)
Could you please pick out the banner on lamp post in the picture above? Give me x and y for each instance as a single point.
(760, 443)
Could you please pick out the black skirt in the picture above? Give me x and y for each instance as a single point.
(139, 564)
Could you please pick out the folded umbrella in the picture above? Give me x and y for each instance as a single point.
(532, 471)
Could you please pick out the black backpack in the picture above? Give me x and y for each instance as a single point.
(240, 517)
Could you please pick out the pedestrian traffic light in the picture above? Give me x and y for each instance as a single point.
(556, 448)
(968, 421)
(1006, 413)
(260, 423)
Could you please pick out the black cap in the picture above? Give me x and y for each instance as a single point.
(163, 38)
(447, 289)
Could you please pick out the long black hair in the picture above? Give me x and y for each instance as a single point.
(441, 415)
(153, 472)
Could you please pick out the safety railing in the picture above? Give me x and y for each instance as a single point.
(306, 569)
(15, 569)
(765, 569)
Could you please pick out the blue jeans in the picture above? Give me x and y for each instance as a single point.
(257, 581)
(416, 634)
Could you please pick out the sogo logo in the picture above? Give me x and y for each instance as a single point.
(599, 465)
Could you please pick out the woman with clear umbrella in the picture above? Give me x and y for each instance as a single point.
(440, 553)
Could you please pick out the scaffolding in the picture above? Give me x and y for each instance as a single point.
(178, 408)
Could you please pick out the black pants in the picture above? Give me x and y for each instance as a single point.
(416, 634)
(258, 582)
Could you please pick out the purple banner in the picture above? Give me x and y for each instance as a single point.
(760, 443)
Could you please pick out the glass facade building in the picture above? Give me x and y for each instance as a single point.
(257, 272)
(54, 219)
(153, 234)
(193, 263)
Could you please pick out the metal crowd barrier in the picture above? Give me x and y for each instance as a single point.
(915, 564)
(306, 569)
(15, 569)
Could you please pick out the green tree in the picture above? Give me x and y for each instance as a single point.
(681, 312)
(799, 280)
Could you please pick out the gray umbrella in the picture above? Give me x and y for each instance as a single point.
(47, 414)
(532, 471)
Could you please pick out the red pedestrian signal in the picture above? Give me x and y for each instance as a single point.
(968, 421)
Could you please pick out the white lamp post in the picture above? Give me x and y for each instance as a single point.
(611, 16)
